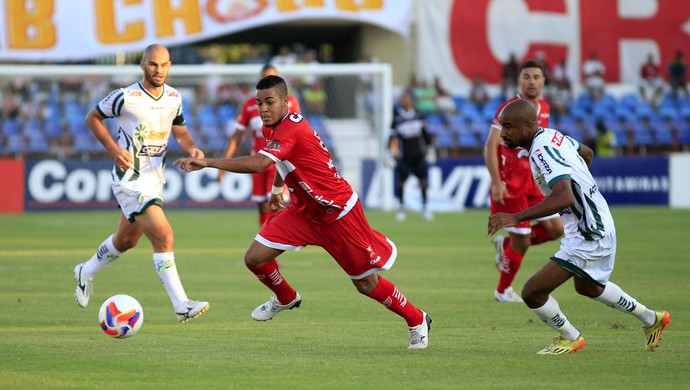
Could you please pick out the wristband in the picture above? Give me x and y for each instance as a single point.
(277, 190)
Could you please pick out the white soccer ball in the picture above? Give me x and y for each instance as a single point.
(121, 316)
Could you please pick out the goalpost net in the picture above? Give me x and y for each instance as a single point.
(349, 105)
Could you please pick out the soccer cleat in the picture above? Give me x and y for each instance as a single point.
(84, 286)
(427, 215)
(653, 333)
(561, 346)
(498, 244)
(419, 335)
(190, 310)
(272, 307)
(400, 216)
(509, 295)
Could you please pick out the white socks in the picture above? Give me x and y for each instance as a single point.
(551, 314)
(105, 255)
(616, 298)
(167, 272)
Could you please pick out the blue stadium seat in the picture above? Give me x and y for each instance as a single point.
(11, 127)
(15, 143)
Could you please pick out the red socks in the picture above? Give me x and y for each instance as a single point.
(269, 275)
(539, 235)
(388, 295)
(510, 264)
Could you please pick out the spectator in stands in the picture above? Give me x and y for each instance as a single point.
(10, 106)
(424, 96)
(285, 56)
(314, 98)
(651, 81)
(559, 99)
(540, 56)
(604, 141)
(560, 75)
(479, 94)
(444, 101)
(593, 72)
(256, 56)
(510, 73)
(677, 75)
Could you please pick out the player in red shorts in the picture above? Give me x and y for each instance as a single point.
(513, 188)
(248, 119)
(324, 211)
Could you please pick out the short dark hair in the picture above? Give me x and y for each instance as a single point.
(269, 82)
(531, 64)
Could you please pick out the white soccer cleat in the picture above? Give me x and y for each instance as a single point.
(427, 215)
(509, 295)
(400, 216)
(498, 244)
(272, 307)
(84, 286)
(419, 335)
(190, 310)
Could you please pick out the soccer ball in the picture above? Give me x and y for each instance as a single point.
(121, 316)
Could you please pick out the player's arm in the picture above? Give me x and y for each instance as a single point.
(121, 156)
(232, 147)
(498, 188)
(247, 164)
(185, 140)
(586, 153)
(560, 199)
(276, 201)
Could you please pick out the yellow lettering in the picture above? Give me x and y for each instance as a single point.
(165, 16)
(106, 24)
(353, 6)
(30, 27)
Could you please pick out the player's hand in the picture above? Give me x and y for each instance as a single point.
(122, 158)
(499, 221)
(276, 202)
(196, 153)
(189, 164)
(430, 156)
(499, 192)
(389, 161)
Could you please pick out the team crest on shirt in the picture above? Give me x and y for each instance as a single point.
(273, 145)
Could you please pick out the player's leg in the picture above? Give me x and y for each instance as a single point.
(421, 172)
(537, 295)
(272, 240)
(125, 237)
(157, 229)
(402, 172)
(593, 282)
(510, 250)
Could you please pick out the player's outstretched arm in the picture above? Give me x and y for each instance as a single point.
(249, 164)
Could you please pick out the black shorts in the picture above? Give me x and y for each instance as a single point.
(411, 165)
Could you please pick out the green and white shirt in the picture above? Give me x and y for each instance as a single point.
(145, 122)
(554, 157)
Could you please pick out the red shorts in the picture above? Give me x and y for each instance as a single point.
(356, 247)
(262, 183)
(514, 205)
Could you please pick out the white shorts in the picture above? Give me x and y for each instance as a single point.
(592, 260)
(135, 196)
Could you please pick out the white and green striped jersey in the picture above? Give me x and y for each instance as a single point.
(144, 125)
(554, 157)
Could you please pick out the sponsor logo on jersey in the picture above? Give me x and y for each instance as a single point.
(547, 168)
(557, 139)
(173, 94)
(132, 92)
(156, 134)
(152, 150)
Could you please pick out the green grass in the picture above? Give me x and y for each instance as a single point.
(337, 339)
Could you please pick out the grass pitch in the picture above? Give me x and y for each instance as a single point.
(337, 339)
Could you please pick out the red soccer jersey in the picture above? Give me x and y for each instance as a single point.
(306, 166)
(513, 164)
(649, 71)
(249, 119)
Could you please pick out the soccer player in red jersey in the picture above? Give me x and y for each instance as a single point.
(324, 211)
(248, 119)
(513, 188)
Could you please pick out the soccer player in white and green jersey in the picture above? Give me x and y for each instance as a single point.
(146, 113)
(560, 166)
